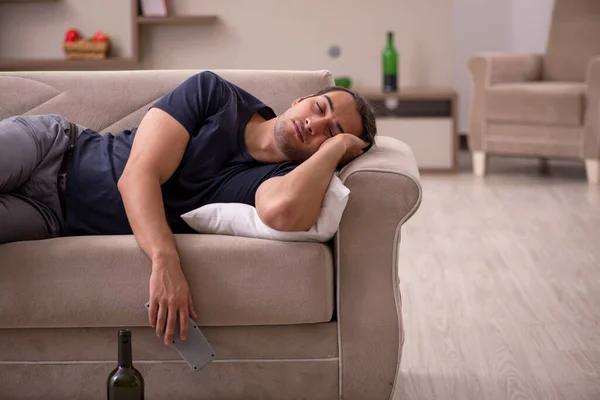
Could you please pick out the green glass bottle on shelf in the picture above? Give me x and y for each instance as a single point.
(125, 382)
(390, 65)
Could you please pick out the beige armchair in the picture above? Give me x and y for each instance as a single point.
(542, 105)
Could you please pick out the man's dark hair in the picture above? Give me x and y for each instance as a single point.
(365, 110)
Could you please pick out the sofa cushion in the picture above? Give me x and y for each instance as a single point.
(537, 102)
(103, 281)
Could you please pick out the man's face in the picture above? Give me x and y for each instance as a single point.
(302, 129)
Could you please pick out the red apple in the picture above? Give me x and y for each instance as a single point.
(101, 37)
(72, 35)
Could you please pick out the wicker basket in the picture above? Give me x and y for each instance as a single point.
(86, 50)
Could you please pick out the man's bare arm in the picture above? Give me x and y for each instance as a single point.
(156, 152)
(293, 202)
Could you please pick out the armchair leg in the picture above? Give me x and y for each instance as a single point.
(592, 168)
(479, 163)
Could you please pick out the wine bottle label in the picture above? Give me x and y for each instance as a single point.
(390, 82)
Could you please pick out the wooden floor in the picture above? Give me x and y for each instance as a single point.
(500, 282)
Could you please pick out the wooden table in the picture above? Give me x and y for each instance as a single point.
(425, 118)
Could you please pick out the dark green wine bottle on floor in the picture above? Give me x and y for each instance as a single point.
(390, 65)
(125, 382)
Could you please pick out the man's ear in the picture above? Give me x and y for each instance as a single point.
(298, 100)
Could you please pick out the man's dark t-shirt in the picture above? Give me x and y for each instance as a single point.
(216, 166)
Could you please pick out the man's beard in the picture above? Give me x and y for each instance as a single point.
(288, 143)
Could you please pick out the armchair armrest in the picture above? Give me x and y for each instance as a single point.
(488, 69)
(384, 193)
(591, 147)
(495, 68)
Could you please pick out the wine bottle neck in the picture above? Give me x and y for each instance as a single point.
(390, 39)
(125, 359)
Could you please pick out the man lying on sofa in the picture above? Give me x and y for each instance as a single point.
(207, 141)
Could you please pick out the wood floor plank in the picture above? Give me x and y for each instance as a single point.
(500, 282)
(589, 390)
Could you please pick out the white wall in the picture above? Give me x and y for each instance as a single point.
(297, 34)
(531, 20)
(272, 34)
(494, 25)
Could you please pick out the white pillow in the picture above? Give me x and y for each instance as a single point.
(238, 219)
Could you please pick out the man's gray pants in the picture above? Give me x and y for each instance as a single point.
(31, 153)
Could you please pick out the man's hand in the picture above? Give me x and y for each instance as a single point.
(350, 146)
(169, 296)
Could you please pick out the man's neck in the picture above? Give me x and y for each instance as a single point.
(260, 140)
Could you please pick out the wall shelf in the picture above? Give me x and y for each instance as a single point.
(64, 64)
(177, 20)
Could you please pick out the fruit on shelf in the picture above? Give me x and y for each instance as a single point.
(101, 37)
(72, 35)
(77, 47)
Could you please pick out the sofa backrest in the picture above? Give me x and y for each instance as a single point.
(110, 101)
(574, 38)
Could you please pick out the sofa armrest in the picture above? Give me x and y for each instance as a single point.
(384, 193)
(488, 69)
(591, 145)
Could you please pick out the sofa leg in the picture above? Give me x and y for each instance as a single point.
(592, 168)
(479, 163)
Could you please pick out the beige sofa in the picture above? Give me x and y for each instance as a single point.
(287, 320)
(542, 105)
